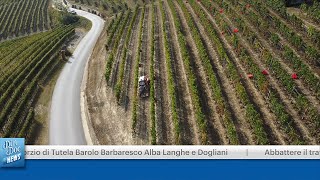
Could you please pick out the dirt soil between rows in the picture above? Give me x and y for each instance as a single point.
(110, 122)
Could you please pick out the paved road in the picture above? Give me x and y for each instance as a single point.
(65, 116)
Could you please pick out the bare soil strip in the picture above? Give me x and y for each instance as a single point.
(184, 103)
(183, 71)
(133, 94)
(143, 122)
(216, 131)
(163, 113)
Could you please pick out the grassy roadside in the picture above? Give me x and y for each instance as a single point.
(84, 24)
(42, 109)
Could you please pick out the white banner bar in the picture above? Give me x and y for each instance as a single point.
(172, 152)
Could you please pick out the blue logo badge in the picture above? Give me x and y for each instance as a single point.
(11, 152)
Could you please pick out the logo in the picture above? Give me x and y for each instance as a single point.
(11, 152)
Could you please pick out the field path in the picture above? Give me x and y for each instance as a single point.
(65, 115)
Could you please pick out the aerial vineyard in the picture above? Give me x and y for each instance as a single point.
(26, 65)
(23, 17)
(113, 6)
(221, 72)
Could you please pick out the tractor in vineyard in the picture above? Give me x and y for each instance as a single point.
(144, 86)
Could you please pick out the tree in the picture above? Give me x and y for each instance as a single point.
(67, 18)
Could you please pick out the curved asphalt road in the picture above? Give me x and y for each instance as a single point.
(65, 116)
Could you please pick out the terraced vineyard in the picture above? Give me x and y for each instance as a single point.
(23, 17)
(26, 65)
(222, 72)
